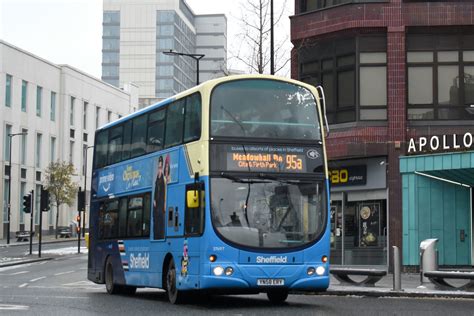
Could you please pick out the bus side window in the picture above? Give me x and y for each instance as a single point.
(174, 124)
(127, 139)
(192, 120)
(156, 130)
(115, 144)
(123, 217)
(138, 144)
(146, 216)
(101, 149)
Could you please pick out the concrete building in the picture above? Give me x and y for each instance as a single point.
(137, 32)
(59, 107)
(398, 77)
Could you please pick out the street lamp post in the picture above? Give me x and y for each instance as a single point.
(196, 57)
(272, 51)
(85, 190)
(10, 185)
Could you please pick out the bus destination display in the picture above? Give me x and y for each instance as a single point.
(267, 158)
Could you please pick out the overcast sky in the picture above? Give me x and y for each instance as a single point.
(70, 31)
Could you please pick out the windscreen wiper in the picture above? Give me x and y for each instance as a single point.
(281, 180)
(239, 180)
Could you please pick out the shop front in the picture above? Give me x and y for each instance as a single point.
(359, 212)
(437, 198)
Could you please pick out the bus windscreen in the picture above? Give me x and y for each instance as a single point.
(263, 108)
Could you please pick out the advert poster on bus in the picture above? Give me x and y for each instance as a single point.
(165, 172)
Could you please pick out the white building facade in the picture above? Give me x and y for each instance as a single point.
(137, 32)
(59, 108)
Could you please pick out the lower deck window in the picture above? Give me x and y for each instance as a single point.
(127, 217)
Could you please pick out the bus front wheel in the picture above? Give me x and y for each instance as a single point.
(277, 296)
(175, 296)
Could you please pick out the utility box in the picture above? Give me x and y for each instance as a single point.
(428, 257)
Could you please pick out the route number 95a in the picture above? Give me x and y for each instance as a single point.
(293, 162)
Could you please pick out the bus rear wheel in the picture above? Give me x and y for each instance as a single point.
(110, 286)
(277, 296)
(175, 296)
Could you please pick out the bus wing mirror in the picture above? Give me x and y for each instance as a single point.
(192, 198)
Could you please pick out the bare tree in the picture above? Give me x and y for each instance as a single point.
(60, 185)
(253, 47)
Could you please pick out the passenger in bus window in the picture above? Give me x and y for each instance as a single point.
(159, 202)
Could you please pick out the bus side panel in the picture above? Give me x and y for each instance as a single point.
(146, 258)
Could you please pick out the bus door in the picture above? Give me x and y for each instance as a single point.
(190, 225)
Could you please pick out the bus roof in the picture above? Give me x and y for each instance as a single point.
(205, 85)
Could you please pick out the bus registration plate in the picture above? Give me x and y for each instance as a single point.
(270, 282)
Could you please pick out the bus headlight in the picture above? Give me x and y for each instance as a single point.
(310, 271)
(229, 271)
(218, 271)
(320, 270)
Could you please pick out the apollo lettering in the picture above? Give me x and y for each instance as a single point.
(272, 259)
(435, 143)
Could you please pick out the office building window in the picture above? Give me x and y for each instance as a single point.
(97, 117)
(373, 85)
(24, 94)
(71, 152)
(109, 116)
(347, 66)
(23, 151)
(39, 96)
(52, 115)
(52, 153)
(440, 71)
(6, 142)
(38, 150)
(71, 111)
(84, 115)
(84, 157)
(8, 91)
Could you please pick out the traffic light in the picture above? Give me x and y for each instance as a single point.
(27, 203)
(81, 200)
(44, 205)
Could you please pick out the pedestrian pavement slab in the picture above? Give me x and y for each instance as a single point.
(45, 240)
(411, 287)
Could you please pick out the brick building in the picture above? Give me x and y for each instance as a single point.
(399, 83)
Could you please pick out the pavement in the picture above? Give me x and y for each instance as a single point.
(410, 285)
(17, 258)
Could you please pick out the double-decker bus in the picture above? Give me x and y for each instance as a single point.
(222, 188)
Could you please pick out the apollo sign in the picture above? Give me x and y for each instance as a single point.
(441, 143)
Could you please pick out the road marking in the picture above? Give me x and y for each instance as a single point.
(46, 296)
(23, 285)
(61, 273)
(37, 279)
(72, 288)
(13, 307)
(78, 283)
(21, 272)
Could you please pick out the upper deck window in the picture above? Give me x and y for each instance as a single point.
(261, 108)
(171, 125)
